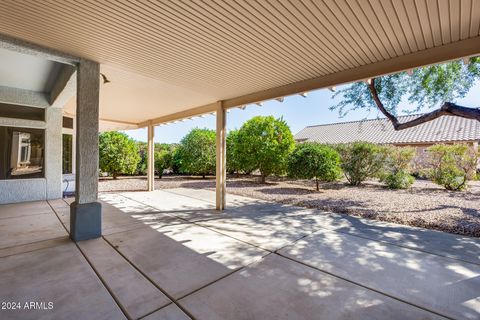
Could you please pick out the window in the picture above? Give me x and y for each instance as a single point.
(67, 154)
(21, 153)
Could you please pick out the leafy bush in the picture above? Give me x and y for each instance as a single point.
(163, 159)
(177, 161)
(196, 153)
(360, 161)
(264, 143)
(397, 167)
(451, 166)
(118, 153)
(314, 161)
(142, 164)
(233, 165)
(399, 180)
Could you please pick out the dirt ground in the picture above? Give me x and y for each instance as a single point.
(424, 205)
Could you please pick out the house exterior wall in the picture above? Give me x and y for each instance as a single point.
(49, 187)
(421, 156)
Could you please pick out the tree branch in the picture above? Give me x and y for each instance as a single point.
(448, 108)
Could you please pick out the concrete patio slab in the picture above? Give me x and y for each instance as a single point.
(233, 200)
(170, 312)
(30, 228)
(16, 210)
(185, 257)
(213, 263)
(268, 233)
(29, 247)
(119, 219)
(133, 291)
(163, 201)
(124, 204)
(440, 243)
(59, 275)
(270, 227)
(278, 288)
(443, 285)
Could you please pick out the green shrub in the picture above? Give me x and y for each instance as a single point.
(361, 160)
(264, 143)
(314, 161)
(163, 160)
(118, 153)
(399, 180)
(233, 165)
(142, 164)
(396, 171)
(196, 153)
(451, 166)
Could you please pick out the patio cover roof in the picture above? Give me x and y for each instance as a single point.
(173, 59)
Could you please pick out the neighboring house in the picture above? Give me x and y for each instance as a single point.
(446, 129)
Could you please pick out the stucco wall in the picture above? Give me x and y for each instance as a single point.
(22, 190)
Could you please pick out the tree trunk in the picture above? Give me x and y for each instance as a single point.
(263, 178)
(448, 108)
(316, 181)
(114, 175)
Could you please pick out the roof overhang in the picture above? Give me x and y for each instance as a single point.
(172, 60)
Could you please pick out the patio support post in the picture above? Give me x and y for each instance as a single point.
(86, 211)
(151, 158)
(221, 169)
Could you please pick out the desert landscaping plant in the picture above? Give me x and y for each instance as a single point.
(233, 165)
(163, 160)
(451, 166)
(118, 153)
(315, 161)
(397, 167)
(196, 153)
(264, 144)
(142, 164)
(360, 161)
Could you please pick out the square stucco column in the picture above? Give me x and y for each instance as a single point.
(86, 212)
(53, 153)
(221, 148)
(151, 158)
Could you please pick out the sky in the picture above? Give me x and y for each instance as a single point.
(297, 111)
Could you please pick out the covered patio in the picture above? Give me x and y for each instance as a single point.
(198, 254)
(167, 254)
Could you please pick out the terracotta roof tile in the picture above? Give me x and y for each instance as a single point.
(443, 129)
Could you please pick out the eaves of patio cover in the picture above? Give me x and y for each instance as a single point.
(168, 60)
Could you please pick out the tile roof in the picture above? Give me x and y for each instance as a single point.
(443, 129)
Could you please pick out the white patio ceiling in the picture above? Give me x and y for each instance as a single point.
(170, 59)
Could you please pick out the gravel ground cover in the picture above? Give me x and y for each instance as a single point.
(424, 205)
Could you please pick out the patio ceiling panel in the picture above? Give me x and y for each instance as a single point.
(167, 57)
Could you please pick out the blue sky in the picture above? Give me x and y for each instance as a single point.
(296, 110)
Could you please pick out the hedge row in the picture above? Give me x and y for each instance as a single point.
(266, 145)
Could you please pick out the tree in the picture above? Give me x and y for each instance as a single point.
(142, 164)
(360, 161)
(432, 86)
(118, 153)
(196, 152)
(233, 165)
(314, 161)
(163, 160)
(264, 143)
(452, 165)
